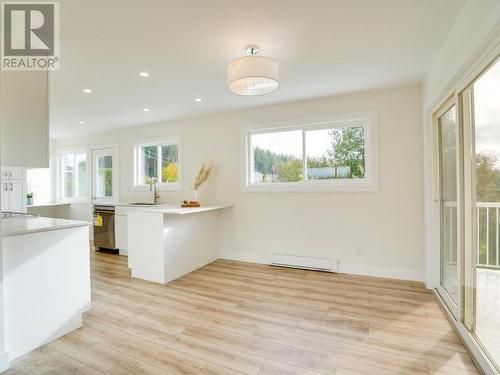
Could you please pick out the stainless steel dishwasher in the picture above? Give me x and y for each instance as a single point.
(104, 227)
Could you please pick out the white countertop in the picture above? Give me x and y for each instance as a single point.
(48, 204)
(24, 225)
(126, 204)
(176, 210)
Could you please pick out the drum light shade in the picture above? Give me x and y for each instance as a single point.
(253, 75)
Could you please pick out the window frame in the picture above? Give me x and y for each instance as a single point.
(59, 175)
(163, 186)
(367, 120)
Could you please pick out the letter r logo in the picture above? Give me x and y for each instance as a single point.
(28, 29)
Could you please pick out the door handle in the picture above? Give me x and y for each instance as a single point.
(10, 186)
(5, 187)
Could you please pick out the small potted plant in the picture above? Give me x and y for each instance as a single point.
(29, 198)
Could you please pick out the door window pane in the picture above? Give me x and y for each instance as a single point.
(277, 157)
(447, 131)
(486, 91)
(336, 153)
(169, 163)
(104, 176)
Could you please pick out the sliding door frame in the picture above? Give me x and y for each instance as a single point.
(469, 270)
(459, 91)
(469, 229)
(448, 104)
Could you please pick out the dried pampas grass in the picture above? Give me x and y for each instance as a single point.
(202, 176)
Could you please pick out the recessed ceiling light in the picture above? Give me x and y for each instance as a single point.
(86, 91)
(144, 74)
(82, 122)
(198, 100)
(145, 109)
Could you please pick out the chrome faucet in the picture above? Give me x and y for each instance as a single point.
(153, 188)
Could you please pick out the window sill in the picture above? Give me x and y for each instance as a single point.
(337, 186)
(162, 187)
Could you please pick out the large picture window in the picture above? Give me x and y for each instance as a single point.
(326, 155)
(159, 160)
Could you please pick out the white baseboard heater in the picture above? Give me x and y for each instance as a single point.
(307, 263)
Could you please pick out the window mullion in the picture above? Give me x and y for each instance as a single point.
(73, 189)
(61, 176)
(304, 155)
(158, 166)
(141, 165)
(137, 165)
(250, 156)
(75, 176)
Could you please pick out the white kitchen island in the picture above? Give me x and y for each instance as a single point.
(45, 274)
(168, 242)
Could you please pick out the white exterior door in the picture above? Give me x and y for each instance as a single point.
(105, 175)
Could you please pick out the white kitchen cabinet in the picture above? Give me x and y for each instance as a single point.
(13, 195)
(46, 281)
(24, 119)
(13, 187)
(13, 173)
(121, 233)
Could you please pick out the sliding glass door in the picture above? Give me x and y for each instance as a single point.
(466, 134)
(482, 100)
(448, 202)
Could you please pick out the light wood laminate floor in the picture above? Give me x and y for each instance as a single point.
(240, 318)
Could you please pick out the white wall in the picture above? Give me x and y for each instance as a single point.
(387, 225)
(476, 24)
(474, 35)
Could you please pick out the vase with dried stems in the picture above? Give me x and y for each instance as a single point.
(201, 178)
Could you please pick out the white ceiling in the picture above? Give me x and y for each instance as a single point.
(324, 47)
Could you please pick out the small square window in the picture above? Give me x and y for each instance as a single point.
(157, 160)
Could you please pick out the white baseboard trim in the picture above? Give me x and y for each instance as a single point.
(392, 273)
(4, 361)
(123, 252)
(246, 257)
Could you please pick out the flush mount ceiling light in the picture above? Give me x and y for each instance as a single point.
(144, 74)
(253, 75)
(82, 122)
(87, 91)
(198, 100)
(145, 109)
